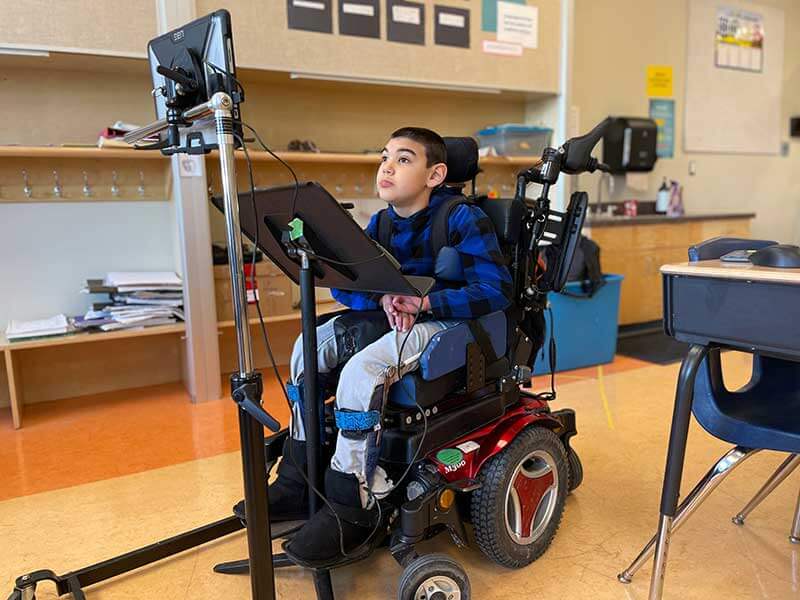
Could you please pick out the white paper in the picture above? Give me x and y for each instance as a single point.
(190, 165)
(406, 14)
(364, 10)
(138, 278)
(452, 20)
(502, 48)
(468, 447)
(518, 23)
(309, 4)
(56, 324)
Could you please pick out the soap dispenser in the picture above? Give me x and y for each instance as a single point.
(662, 198)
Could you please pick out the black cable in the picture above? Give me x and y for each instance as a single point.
(227, 74)
(280, 160)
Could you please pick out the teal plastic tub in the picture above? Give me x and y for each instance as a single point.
(585, 328)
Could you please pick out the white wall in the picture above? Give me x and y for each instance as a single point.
(48, 250)
(615, 40)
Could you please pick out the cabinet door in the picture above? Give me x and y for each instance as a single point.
(116, 27)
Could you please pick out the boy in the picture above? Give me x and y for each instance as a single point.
(411, 180)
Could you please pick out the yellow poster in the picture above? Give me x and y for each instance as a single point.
(659, 81)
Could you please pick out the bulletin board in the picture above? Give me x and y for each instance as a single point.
(439, 42)
(734, 77)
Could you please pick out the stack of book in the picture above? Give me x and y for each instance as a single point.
(135, 299)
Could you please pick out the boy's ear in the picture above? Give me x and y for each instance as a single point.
(437, 175)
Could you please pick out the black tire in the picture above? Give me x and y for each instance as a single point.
(449, 579)
(493, 503)
(575, 470)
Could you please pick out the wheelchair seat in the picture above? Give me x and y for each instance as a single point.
(446, 355)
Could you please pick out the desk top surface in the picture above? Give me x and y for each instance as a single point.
(728, 270)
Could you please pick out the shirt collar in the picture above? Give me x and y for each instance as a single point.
(438, 196)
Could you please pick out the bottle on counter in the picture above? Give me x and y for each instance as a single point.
(662, 198)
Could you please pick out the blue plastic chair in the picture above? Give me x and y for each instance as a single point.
(762, 415)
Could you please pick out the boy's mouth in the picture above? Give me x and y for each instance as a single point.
(385, 183)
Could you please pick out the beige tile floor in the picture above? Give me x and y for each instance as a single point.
(623, 422)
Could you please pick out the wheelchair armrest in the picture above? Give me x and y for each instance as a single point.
(447, 349)
(719, 246)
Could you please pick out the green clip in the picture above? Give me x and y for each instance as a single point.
(296, 229)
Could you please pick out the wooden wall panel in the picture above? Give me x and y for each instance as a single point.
(110, 26)
(345, 117)
(263, 40)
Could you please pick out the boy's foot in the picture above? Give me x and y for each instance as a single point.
(288, 494)
(320, 541)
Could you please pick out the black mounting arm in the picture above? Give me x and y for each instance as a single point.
(578, 151)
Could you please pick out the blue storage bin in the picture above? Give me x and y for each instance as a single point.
(586, 328)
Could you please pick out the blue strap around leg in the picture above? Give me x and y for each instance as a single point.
(296, 395)
(347, 420)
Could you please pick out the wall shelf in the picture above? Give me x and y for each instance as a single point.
(77, 152)
(68, 152)
(13, 356)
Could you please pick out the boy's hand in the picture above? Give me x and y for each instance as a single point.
(410, 304)
(398, 320)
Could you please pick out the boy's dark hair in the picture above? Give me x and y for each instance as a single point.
(435, 150)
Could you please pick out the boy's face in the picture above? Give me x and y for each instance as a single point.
(403, 174)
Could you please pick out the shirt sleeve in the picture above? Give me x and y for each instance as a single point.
(361, 300)
(488, 280)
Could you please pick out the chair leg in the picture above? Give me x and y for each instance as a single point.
(701, 491)
(795, 535)
(781, 473)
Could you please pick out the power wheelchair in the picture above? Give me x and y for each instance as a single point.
(460, 436)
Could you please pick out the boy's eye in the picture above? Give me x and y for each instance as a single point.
(383, 158)
(403, 159)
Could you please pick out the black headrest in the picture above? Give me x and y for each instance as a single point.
(462, 159)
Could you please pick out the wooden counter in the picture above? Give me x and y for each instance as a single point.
(637, 247)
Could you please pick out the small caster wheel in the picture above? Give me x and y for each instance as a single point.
(575, 470)
(433, 577)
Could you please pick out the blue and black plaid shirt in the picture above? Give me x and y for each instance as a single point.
(487, 285)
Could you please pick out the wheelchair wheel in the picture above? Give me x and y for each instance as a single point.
(433, 577)
(518, 507)
(575, 470)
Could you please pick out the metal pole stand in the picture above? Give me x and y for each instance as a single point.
(246, 385)
(308, 311)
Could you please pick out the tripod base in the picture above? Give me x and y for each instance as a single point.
(242, 567)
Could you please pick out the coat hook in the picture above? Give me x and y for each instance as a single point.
(28, 190)
(140, 189)
(114, 186)
(58, 191)
(87, 190)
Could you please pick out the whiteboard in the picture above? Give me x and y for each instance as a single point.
(727, 109)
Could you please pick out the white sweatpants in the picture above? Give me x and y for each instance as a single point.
(363, 384)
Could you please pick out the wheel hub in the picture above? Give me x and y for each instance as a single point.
(531, 497)
(438, 587)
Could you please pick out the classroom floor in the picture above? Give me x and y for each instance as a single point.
(90, 478)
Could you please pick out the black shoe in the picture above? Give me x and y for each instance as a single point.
(317, 543)
(288, 494)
